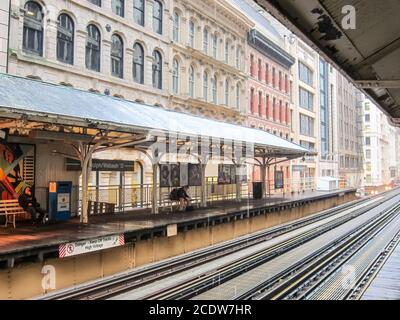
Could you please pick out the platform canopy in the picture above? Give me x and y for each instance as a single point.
(361, 38)
(27, 99)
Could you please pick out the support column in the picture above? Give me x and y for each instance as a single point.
(154, 207)
(263, 182)
(238, 185)
(203, 186)
(86, 168)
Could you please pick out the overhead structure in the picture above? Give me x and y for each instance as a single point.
(91, 123)
(360, 37)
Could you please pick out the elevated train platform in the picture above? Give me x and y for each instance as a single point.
(27, 241)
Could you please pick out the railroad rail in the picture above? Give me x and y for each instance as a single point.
(115, 285)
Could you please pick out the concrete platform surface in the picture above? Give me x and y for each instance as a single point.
(28, 237)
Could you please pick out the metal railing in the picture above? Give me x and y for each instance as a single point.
(136, 196)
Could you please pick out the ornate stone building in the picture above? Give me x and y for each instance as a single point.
(4, 21)
(208, 59)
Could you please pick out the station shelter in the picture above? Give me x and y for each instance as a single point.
(51, 134)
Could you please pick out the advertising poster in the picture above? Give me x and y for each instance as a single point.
(194, 172)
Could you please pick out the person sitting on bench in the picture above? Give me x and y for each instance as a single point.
(30, 205)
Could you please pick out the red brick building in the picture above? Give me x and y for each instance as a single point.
(268, 85)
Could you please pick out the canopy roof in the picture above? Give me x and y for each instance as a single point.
(36, 100)
(368, 51)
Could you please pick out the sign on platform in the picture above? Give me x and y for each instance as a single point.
(90, 245)
(172, 230)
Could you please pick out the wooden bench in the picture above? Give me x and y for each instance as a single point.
(10, 209)
(100, 208)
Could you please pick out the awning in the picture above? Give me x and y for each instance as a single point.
(22, 98)
(366, 46)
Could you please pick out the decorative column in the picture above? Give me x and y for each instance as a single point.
(106, 57)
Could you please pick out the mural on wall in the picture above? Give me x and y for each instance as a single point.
(16, 169)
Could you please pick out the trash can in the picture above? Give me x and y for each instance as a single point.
(257, 190)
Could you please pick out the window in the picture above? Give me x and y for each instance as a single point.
(96, 2)
(33, 29)
(191, 82)
(157, 70)
(252, 65)
(205, 40)
(118, 7)
(227, 92)
(308, 145)
(226, 51)
(367, 106)
(175, 27)
(93, 48)
(65, 39)
(214, 90)
(215, 46)
(367, 117)
(305, 74)
(266, 72)
(138, 63)
(117, 48)
(306, 125)
(266, 105)
(251, 99)
(259, 102)
(138, 12)
(175, 76)
(280, 81)
(205, 86)
(157, 16)
(306, 99)
(367, 154)
(237, 96)
(238, 57)
(191, 34)
(273, 77)
(259, 69)
(367, 141)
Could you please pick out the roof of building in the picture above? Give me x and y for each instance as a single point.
(33, 99)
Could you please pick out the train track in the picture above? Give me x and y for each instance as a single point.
(322, 275)
(115, 285)
(199, 284)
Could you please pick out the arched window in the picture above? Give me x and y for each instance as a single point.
(157, 16)
(175, 76)
(214, 89)
(205, 86)
(93, 48)
(138, 63)
(175, 30)
(191, 34)
(227, 92)
(138, 12)
(117, 49)
(215, 46)
(227, 51)
(157, 70)
(191, 82)
(33, 29)
(205, 40)
(237, 95)
(65, 39)
(118, 7)
(238, 57)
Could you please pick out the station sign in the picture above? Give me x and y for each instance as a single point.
(90, 245)
(101, 165)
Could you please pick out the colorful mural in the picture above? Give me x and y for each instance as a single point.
(15, 173)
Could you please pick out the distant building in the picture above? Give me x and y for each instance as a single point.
(349, 132)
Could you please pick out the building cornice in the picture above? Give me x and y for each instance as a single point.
(261, 43)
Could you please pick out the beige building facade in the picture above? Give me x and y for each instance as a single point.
(208, 59)
(4, 33)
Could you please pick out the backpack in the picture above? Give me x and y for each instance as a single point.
(174, 194)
